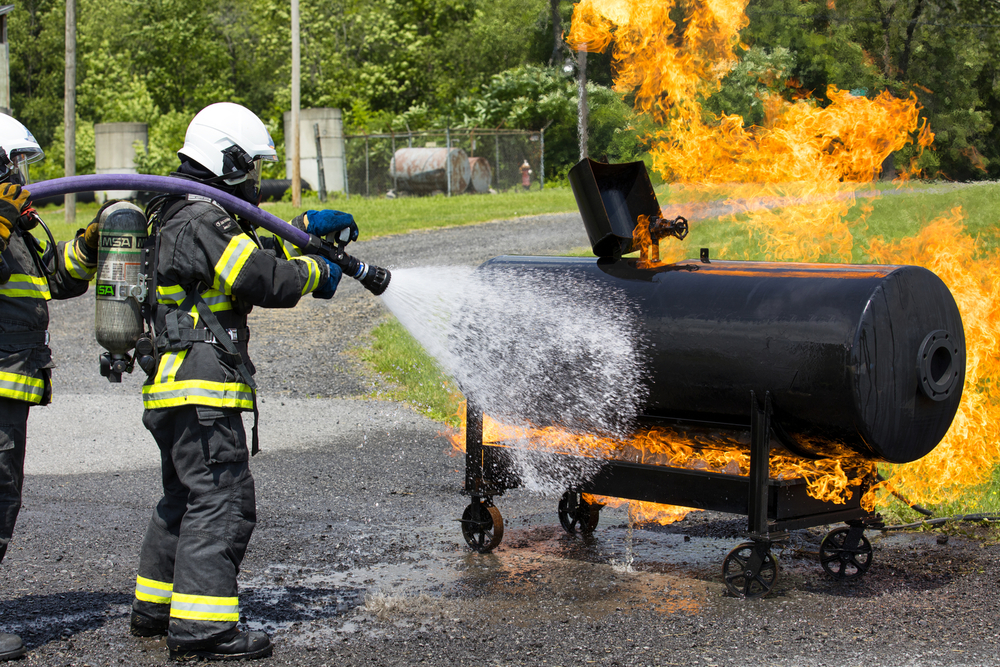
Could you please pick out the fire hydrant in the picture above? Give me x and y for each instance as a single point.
(526, 175)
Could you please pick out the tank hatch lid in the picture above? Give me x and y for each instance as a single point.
(611, 197)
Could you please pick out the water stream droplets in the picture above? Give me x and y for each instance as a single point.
(529, 349)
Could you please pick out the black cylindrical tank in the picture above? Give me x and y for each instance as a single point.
(869, 359)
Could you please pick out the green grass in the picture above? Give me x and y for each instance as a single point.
(418, 381)
(893, 217)
(55, 217)
(381, 217)
(983, 499)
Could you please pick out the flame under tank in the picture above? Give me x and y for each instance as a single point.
(862, 359)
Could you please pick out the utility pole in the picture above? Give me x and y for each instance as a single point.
(296, 102)
(581, 102)
(557, 39)
(69, 110)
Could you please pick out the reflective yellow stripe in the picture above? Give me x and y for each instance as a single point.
(197, 392)
(150, 590)
(21, 387)
(75, 264)
(169, 294)
(291, 250)
(174, 295)
(315, 273)
(22, 285)
(204, 608)
(216, 300)
(233, 260)
(170, 362)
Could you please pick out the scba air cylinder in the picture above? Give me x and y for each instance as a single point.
(120, 286)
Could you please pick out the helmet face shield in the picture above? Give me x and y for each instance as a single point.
(14, 168)
(254, 175)
(20, 168)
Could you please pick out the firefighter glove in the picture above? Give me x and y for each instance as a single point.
(327, 289)
(13, 198)
(91, 235)
(328, 221)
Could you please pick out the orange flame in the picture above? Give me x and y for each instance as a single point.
(832, 480)
(971, 447)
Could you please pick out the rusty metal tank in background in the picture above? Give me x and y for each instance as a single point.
(482, 175)
(426, 170)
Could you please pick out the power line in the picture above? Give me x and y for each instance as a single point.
(868, 19)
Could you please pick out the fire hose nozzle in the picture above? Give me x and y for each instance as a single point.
(374, 278)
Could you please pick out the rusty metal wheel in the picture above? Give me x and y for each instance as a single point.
(576, 514)
(482, 526)
(844, 555)
(750, 570)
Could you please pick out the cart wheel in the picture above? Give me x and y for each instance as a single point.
(750, 570)
(841, 559)
(482, 526)
(575, 513)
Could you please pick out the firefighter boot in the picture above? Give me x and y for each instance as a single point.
(11, 647)
(239, 646)
(144, 626)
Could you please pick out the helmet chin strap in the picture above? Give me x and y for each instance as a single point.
(237, 164)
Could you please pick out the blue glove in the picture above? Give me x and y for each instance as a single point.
(327, 289)
(329, 221)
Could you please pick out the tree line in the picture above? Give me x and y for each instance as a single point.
(421, 64)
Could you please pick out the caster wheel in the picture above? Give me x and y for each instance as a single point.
(843, 560)
(577, 515)
(750, 571)
(482, 526)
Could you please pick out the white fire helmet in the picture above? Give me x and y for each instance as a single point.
(216, 130)
(21, 150)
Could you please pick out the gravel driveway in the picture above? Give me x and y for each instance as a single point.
(358, 559)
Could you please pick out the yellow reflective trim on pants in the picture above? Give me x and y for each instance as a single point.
(170, 363)
(21, 387)
(150, 590)
(197, 392)
(204, 608)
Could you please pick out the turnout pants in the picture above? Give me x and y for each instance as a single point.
(13, 429)
(199, 531)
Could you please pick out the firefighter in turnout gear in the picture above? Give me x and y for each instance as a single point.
(210, 269)
(31, 273)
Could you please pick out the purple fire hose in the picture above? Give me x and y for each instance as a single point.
(169, 185)
(374, 278)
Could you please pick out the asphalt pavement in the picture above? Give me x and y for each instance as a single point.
(358, 557)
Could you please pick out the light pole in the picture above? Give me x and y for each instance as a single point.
(296, 148)
(581, 101)
(69, 108)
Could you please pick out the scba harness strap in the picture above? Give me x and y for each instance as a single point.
(181, 336)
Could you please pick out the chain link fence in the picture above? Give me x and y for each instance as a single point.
(449, 162)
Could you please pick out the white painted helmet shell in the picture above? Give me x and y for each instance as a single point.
(17, 140)
(219, 126)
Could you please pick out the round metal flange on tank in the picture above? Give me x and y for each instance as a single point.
(937, 365)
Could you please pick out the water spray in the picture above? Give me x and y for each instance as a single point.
(374, 278)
